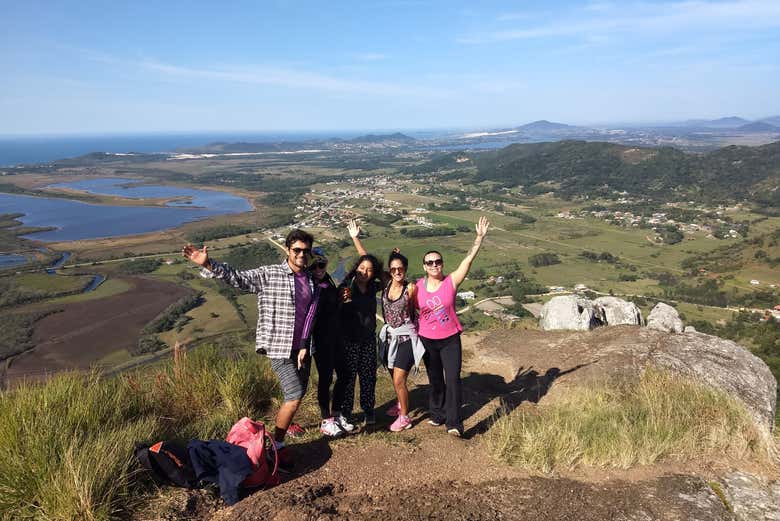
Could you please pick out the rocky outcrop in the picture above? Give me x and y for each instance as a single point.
(575, 313)
(627, 350)
(752, 498)
(616, 311)
(724, 365)
(664, 317)
(568, 312)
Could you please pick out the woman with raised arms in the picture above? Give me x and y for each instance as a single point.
(357, 321)
(404, 349)
(439, 330)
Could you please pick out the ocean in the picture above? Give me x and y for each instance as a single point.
(31, 150)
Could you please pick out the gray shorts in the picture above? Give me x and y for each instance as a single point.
(292, 380)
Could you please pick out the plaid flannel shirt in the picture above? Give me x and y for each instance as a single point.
(275, 288)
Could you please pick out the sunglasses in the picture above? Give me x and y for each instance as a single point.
(434, 262)
(397, 270)
(320, 265)
(298, 251)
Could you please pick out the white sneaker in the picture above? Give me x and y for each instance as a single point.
(343, 423)
(328, 427)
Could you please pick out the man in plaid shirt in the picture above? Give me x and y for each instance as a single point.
(286, 304)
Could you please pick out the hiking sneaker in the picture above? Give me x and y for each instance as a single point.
(295, 431)
(342, 422)
(401, 423)
(370, 418)
(329, 427)
(455, 432)
(394, 410)
(435, 423)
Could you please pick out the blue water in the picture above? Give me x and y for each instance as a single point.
(29, 150)
(76, 220)
(220, 202)
(52, 270)
(96, 281)
(8, 260)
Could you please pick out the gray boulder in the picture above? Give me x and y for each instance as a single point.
(568, 312)
(752, 497)
(625, 351)
(724, 365)
(664, 317)
(616, 311)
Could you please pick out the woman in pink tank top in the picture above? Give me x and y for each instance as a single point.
(439, 330)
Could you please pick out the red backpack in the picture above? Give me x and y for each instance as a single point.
(261, 451)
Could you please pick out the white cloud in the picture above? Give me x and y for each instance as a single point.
(636, 18)
(292, 78)
(370, 57)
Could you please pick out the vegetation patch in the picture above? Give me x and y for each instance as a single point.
(659, 417)
(139, 266)
(218, 232)
(252, 256)
(543, 259)
(66, 446)
(17, 331)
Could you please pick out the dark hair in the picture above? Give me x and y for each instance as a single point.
(298, 235)
(396, 255)
(375, 264)
(433, 251)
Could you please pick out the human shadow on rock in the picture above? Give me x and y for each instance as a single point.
(527, 386)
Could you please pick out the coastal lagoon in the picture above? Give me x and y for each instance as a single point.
(75, 220)
(9, 260)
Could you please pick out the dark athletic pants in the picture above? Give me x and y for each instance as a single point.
(359, 361)
(443, 360)
(325, 356)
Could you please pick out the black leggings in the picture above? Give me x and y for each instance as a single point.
(443, 360)
(326, 359)
(359, 361)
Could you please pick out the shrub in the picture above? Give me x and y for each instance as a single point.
(620, 424)
(543, 259)
(66, 445)
(218, 232)
(140, 266)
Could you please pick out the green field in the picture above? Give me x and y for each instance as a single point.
(509, 245)
(53, 283)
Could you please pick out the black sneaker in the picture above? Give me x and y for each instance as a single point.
(370, 418)
(435, 423)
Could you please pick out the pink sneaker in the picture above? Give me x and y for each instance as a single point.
(295, 431)
(401, 423)
(394, 410)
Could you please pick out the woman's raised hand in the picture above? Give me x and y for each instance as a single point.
(199, 257)
(353, 228)
(482, 226)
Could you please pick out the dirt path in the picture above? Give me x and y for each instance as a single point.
(424, 473)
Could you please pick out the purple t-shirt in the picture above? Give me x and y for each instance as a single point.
(302, 301)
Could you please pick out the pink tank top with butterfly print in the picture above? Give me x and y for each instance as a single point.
(437, 317)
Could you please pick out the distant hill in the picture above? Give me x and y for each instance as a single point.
(773, 120)
(544, 126)
(727, 122)
(383, 138)
(758, 126)
(571, 168)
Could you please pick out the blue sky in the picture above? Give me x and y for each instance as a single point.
(93, 67)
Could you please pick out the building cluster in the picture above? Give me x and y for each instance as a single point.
(658, 220)
(333, 206)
